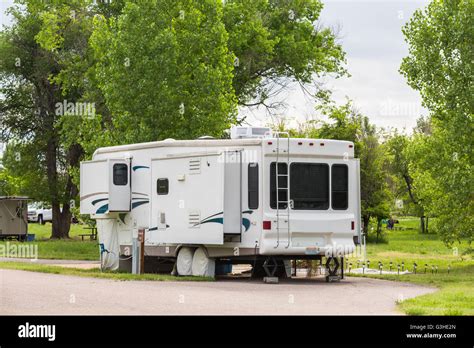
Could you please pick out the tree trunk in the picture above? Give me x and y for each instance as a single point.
(58, 231)
(62, 219)
(422, 224)
(408, 181)
(426, 228)
(366, 219)
(379, 223)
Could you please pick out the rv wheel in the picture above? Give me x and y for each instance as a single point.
(184, 261)
(203, 265)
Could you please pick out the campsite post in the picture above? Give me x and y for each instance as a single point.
(141, 240)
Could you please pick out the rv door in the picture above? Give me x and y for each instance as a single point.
(119, 185)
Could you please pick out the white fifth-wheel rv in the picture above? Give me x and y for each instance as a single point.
(258, 198)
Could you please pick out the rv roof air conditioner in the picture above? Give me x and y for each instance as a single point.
(240, 132)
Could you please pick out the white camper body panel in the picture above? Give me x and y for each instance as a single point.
(194, 212)
(192, 191)
(94, 185)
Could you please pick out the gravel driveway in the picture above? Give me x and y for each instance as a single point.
(23, 292)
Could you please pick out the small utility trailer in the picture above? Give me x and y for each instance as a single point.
(13, 217)
(259, 198)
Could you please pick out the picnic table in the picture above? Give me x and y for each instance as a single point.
(92, 235)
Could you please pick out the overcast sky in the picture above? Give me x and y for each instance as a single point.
(370, 33)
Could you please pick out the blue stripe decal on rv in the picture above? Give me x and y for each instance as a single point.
(212, 216)
(245, 222)
(244, 212)
(134, 168)
(103, 209)
(137, 204)
(94, 202)
(220, 220)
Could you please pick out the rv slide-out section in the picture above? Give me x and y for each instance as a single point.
(105, 186)
(185, 192)
(197, 198)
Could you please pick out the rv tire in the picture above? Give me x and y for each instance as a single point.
(203, 265)
(184, 261)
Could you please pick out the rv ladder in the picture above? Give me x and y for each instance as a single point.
(285, 212)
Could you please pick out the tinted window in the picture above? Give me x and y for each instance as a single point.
(309, 186)
(253, 185)
(282, 185)
(162, 186)
(339, 186)
(120, 174)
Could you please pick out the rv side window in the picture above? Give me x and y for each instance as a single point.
(253, 185)
(162, 186)
(339, 186)
(282, 185)
(309, 183)
(120, 176)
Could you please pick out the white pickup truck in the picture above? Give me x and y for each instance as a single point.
(37, 212)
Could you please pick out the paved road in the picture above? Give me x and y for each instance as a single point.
(24, 292)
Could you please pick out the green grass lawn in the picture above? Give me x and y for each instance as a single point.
(44, 231)
(96, 273)
(73, 249)
(456, 294)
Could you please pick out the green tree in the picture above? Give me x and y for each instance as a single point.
(441, 68)
(276, 42)
(375, 196)
(165, 70)
(399, 165)
(29, 98)
(196, 61)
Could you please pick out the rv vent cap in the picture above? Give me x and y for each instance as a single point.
(206, 137)
(240, 132)
(169, 140)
